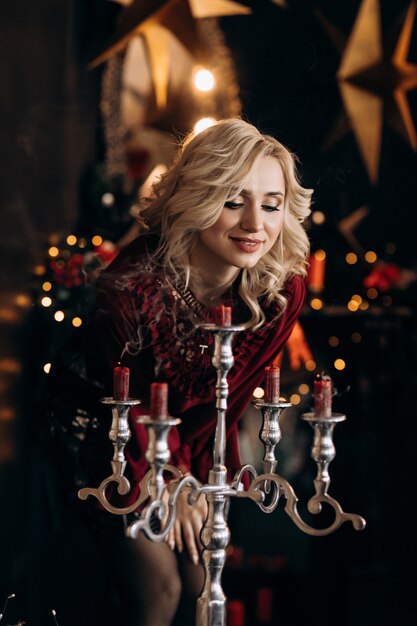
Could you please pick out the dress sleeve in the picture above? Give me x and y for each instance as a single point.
(120, 335)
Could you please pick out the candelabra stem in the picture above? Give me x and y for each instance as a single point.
(222, 360)
(215, 537)
(119, 435)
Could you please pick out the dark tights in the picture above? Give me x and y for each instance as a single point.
(157, 587)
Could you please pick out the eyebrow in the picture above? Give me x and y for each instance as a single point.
(245, 192)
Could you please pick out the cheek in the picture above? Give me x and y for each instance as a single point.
(275, 228)
(223, 224)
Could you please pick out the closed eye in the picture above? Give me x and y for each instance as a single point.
(229, 204)
(269, 209)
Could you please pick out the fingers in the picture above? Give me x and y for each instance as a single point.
(190, 541)
(185, 532)
(178, 535)
(170, 539)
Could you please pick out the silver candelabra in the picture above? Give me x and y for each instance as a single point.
(159, 499)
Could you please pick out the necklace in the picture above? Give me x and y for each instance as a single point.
(190, 300)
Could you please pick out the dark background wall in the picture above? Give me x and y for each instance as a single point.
(51, 131)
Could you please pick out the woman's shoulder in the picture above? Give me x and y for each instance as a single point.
(294, 293)
(138, 250)
(131, 260)
(295, 287)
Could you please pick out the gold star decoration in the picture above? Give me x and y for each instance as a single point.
(371, 85)
(157, 21)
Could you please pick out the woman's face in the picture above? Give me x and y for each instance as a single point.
(249, 223)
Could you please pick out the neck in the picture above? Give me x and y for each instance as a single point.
(209, 289)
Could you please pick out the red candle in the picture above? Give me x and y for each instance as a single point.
(323, 396)
(121, 382)
(159, 401)
(272, 376)
(222, 315)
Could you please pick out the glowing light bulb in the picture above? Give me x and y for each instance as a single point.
(97, 240)
(59, 316)
(53, 251)
(77, 321)
(339, 364)
(203, 123)
(71, 240)
(295, 398)
(47, 368)
(303, 389)
(203, 79)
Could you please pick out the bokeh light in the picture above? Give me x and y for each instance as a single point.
(318, 217)
(370, 256)
(258, 393)
(351, 258)
(203, 123)
(203, 79)
(295, 398)
(316, 304)
(46, 301)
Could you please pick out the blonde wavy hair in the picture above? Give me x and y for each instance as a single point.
(210, 168)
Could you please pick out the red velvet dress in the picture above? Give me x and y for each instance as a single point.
(143, 322)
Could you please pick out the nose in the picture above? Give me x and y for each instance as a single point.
(251, 221)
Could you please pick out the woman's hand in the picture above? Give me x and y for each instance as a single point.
(187, 526)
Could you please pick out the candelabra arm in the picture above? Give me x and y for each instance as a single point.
(119, 435)
(164, 509)
(279, 487)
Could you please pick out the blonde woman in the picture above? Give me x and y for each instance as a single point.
(224, 225)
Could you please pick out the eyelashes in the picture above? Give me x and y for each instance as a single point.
(229, 204)
(233, 205)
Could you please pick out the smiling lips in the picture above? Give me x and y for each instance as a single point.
(247, 245)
